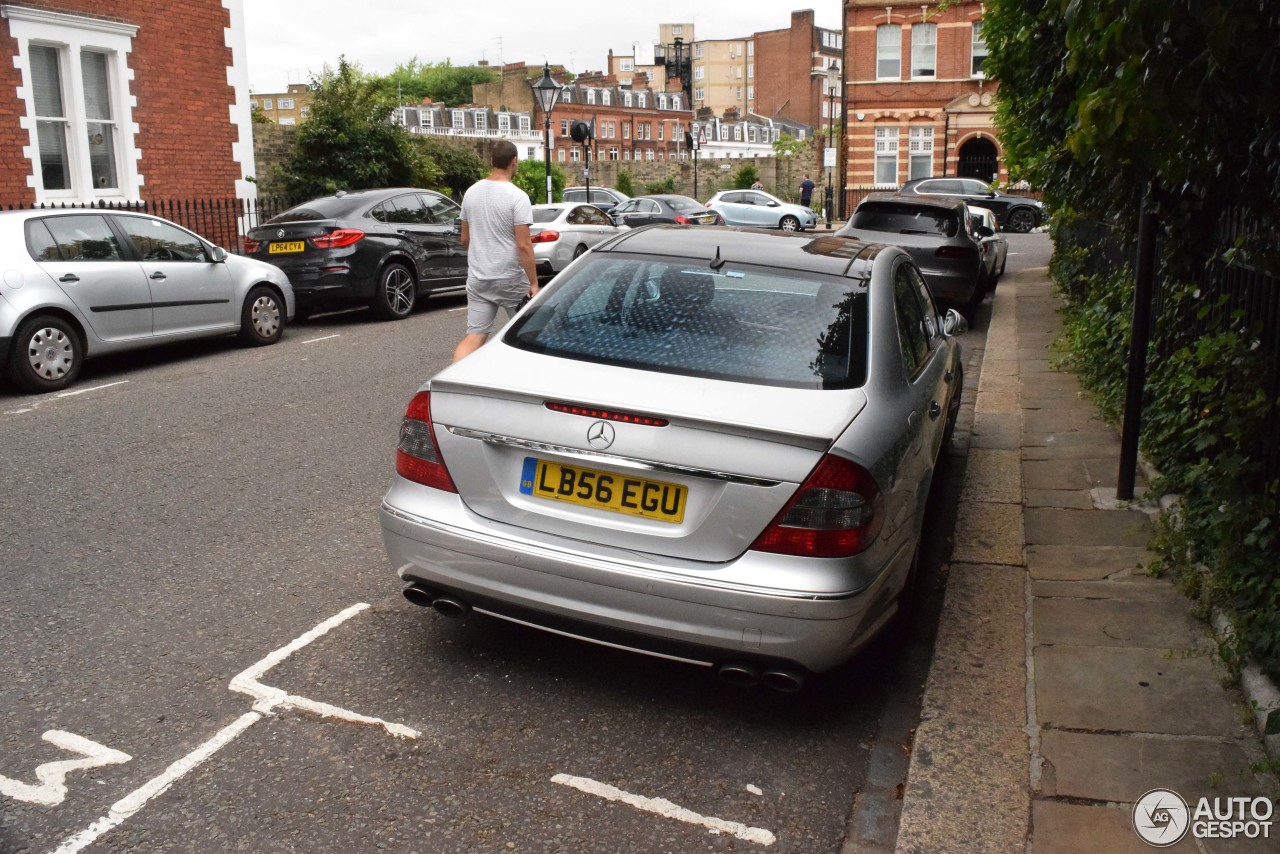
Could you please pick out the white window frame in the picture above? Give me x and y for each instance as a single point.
(606, 97)
(675, 102)
(888, 49)
(591, 96)
(924, 51)
(626, 65)
(266, 104)
(977, 49)
(886, 154)
(919, 152)
(481, 120)
(525, 123)
(641, 100)
(458, 119)
(504, 123)
(285, 103)
(699, 72)
(70, 35)
(626, 99)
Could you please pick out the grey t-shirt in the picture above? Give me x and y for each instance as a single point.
(492, 210)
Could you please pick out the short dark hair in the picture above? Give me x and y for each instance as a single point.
(504, 151)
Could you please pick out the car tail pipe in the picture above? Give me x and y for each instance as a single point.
(444, 604)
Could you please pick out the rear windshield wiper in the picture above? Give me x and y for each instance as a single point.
(914, 231)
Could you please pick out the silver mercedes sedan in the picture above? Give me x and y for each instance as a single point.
(709, 445)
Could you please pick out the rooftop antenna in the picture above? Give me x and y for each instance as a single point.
(718, 262)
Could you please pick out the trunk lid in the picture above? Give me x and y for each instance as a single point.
(702, 487)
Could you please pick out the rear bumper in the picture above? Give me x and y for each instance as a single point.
(549, 582)
(314, 285)
(954, 289)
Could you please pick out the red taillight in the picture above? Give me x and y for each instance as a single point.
(545, 237)
(251, 245)
(607, 414)
(682, 219)
(836, 512)
(418, 456)
(954, 252)
(338, 238)
(708, 204)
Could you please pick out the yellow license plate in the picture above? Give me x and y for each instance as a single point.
(291, 246)
(616, 493)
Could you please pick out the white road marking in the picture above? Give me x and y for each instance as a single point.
(52, 789)
(452, 310)
(665, 808)
(36, 404)
(325, 338)
(267, 698)
(138, 798)
(94, 388)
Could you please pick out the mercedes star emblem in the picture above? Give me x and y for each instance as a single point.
(600, 435)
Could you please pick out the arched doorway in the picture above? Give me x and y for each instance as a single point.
(978, 160)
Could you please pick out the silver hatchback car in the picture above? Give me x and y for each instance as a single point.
(710, 445)
(81, 283)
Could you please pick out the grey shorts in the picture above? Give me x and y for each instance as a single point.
(484, 298)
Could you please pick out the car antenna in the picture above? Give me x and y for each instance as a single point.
(718, 262)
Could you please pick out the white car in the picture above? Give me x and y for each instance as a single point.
(758, 209)
(995, 248)
(563, 231)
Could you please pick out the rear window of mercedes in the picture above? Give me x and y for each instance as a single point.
(746, 324)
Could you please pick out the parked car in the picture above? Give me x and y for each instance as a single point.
(650, 210)
(602, 197)
(758, 209)
(380, 248)
(995, 248)
(564, 231)
(713, 446)
(1018, 214)
(82, 283)
(939, 236)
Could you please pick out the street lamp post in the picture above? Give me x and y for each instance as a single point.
(547, 92)
(833, 75)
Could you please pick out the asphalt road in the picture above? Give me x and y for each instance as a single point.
(176, 530)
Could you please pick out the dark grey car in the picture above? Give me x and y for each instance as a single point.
(380, 248)
(938, 234)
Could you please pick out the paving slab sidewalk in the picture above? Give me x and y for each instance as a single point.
(1066, 682)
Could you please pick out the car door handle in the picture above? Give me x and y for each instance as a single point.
(934, 410)
(158, 275)
(69, 277)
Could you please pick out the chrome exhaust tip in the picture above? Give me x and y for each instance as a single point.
(418, 595)
(739, 675)
(447, 606)
(787, 681)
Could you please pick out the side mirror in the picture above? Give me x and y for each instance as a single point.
(219, 255)
(774, 205)
(985, 231)
(953, 323)
(991, 194)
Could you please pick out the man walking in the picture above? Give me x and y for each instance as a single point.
(501, 270)
(806, 190)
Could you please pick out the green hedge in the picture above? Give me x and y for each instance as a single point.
(1204, 408)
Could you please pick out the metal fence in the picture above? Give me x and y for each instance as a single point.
(1234, 296)
(222, 221)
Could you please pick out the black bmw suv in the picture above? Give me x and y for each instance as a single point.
(380, 248)
(1015, 213)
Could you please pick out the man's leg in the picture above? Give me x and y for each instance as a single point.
(470, 342)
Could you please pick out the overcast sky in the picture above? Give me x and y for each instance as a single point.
(290, 39)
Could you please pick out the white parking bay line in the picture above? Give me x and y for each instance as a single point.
(325, 338)
(268, 699)
(666, 809)
(94, 388)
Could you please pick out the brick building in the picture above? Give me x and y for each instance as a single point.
(918, 104)
(123, 100)
(289, 107)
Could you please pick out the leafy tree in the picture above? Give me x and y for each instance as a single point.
(1098, 99)
(459, 166)
(441, 82)
(258, 116)
(787, 145)
(625, 184)
(744, 178)
(349, 141)
(531, 176)
(666, 185)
